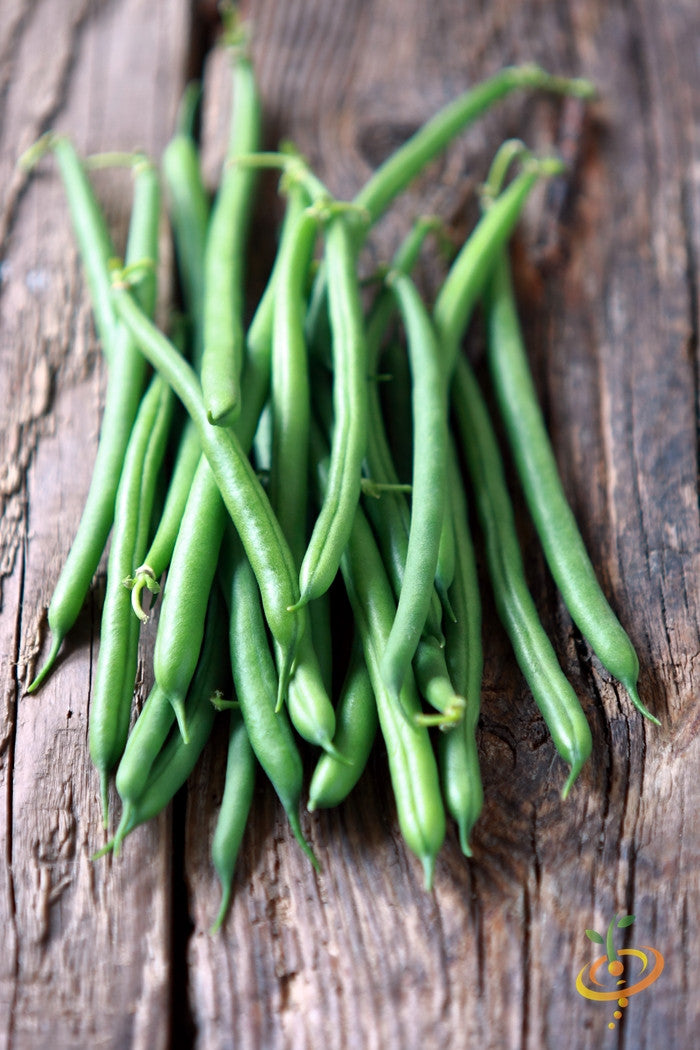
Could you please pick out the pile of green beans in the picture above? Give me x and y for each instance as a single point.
(315, 594)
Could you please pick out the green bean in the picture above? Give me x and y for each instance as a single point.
(255, 682)
(115, 674)
(533, 650)
(188, 207)
(241, 490)
(470, 270)
(534, 458)
(124, 388)
(356, 728)
(308, 703)
(189, 215)
(176, 760)
(149, 733)
(445, 567)
(331, 529)
(224, 340)
(457, 752)
(390, 515)
(399, 170)
(234, 810)
(259, 335)
(320, 625)
(160, 552)
(190, 578)
(429, 408)
(394, 175)
(435, 685)
(290, 399)
(412, 765)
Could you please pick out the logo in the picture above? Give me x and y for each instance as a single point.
(620, 973)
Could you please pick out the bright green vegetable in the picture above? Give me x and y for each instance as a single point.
(550, 688)
(125, 383)
(224, 261)
(534, 458)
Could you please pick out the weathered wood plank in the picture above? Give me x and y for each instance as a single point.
(86, 946)
(359, 955)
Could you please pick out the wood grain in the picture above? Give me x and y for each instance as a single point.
(606, 265)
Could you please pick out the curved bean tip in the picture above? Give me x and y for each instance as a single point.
(329, 747)
(48, 665)
(643, 710)
(464, 839)
(428, 862)
(107, 848)
(295, 825)
(223, 909)
(178, 706)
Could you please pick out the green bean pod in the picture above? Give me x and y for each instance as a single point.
(536, 464)
(356, 727)
(395, 174)
(290, 398)
(224, 338)
(398, 171)
(188, 208)
(458, 758)
(550, 688)
(308, 702)
(470, 271)
(240, 488)
(233, 812)
(255, 682)
(176, 760)
(190, 578)
(429, 483)
(435, 685)
(115, 674)
(160, 551)
(331, 530)
(149, 733)
(412, 764)
(124, 387)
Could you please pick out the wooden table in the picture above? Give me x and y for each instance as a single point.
(117, 954)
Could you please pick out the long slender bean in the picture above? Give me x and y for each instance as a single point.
(458, 758)
(233, 812)
(240, 488)
(224, 338)
(536, 464)
(256, 687)
(533, 650)
(190, 578)
(115, 674)
(412, 763)
(429, 483)
(176, 760)
(356, 727)
(332, 527)
(124, 388)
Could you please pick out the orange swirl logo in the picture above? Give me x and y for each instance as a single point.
(628, 970)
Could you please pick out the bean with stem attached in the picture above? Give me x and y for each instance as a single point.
(240, 488)
(124, 388)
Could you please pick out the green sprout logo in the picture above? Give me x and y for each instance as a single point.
(629, 970)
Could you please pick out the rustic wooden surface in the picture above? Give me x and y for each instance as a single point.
(118, 954)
